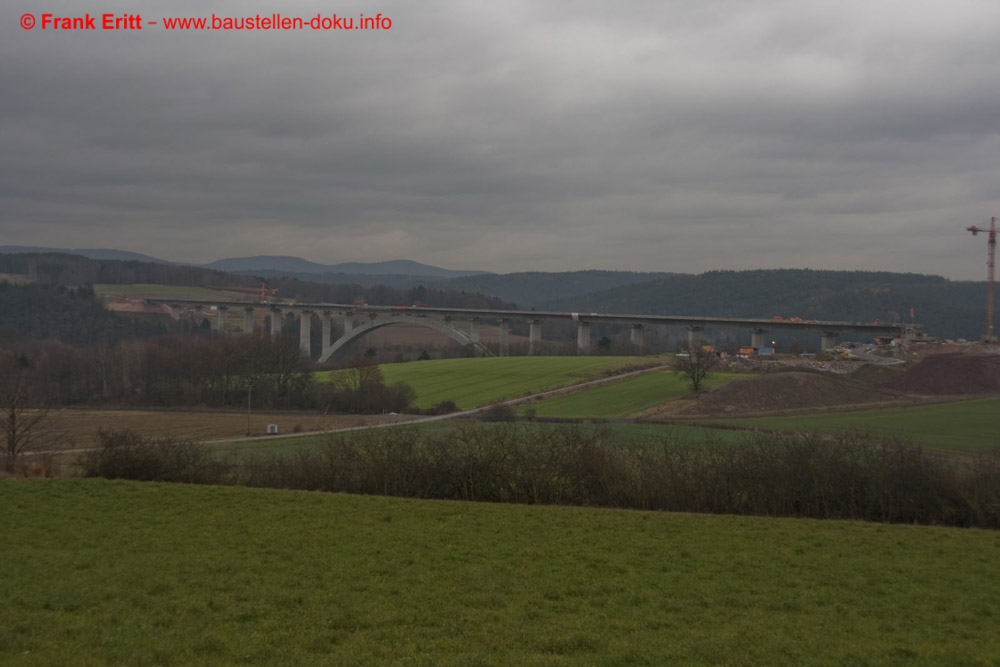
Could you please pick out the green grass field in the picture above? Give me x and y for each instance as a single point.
(480, 381)
(168, 292)
(962, 426)
(99, 572)
(623, 399)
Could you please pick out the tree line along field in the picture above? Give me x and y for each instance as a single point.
(100, 572)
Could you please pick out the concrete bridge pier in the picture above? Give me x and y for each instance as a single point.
(473, 329)
(583, 337)
(220, 319)
(828, 340)
(534, 336)
(348, 323)
(275, 322)
(694, 339)
(305, 331)
(327, 332)
(757, 338)
(636, 337)
(504, 337)
(248, 320)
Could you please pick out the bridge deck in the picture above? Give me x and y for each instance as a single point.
(475, 313)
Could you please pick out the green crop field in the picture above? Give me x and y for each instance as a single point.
(480, 381)
(99, 572)
(961, 426)
(637, 434)
(625, 398)
(169, 292)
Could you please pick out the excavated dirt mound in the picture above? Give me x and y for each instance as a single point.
(949, 374)
(792, 390)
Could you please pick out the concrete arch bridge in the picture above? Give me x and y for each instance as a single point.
(354, 331)
(462, 324)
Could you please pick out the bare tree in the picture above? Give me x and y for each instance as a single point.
(362, 382)
(696, 366)
(21, 420)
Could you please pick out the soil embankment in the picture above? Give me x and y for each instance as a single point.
(968, 373)
(790, 390)
(948, 375)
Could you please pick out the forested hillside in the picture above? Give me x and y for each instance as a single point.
(71, 315)
(529, 290)
(381, 295)
(75, 270)
(946, 308)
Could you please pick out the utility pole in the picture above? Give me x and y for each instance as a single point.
(990, 285)
(249, 394)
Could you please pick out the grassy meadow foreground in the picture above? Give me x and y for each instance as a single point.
(100, 572)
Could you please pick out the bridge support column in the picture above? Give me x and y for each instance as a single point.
(534, 336)
(757, 338)
(583, 337)
(220, 319)
(305, 331)
(474, 329)
(248, 320)
(504, 337)
(348, 323)
(694, 339)
(636, 338)
(828, 340)
(327, 332)
(275, 322)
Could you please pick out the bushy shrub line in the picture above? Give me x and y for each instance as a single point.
(854, 477)
(127, 455)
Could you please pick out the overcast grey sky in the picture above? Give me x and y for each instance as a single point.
(511, 135)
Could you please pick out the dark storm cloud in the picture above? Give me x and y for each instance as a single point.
(514, 135)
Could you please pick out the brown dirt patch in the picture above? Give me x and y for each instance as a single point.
(73, 429)
(791, 390)
(949, 374)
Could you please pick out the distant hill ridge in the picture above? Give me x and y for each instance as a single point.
(89, 253)
(287, 264)
(946, 308)
(275, 264)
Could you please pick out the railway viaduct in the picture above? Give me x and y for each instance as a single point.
(462, 324)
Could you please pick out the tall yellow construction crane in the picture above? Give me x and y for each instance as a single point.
(990, 288)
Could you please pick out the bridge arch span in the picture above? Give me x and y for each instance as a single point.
(359, 330)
